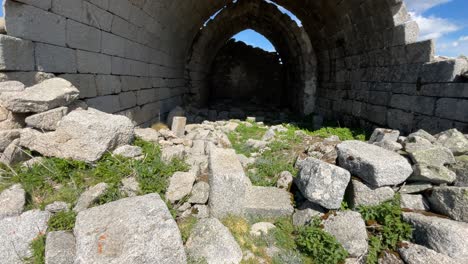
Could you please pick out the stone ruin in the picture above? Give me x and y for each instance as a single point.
(95, 69)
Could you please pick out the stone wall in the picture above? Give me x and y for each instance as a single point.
(242, 72)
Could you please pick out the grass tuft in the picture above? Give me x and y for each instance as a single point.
(62, 221)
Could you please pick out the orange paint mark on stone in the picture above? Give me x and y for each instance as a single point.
(101, 239)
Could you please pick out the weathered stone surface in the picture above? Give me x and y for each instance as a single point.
(8, 136)
(200, 193)
(322, 183)
(44, 96)
(178, 125)
(228, 183)
(421, 134)
(383, 134)
(416, 187)
(416, 254)
(285, 180)
(389, 145)
(11, 86)
(256, 144)
(442, 235)
(389, 257)
(128, 151)
(130, 186)
(50, 58)
(18, 232)
(304, 215)
(261, 228)
(212, 242)
(60, 248)
(450, 201)
(349, 229)
(267, 202)
(90, 196)
(177, 111)
(435, 156)
(57, 206)
(432, 174)
(201, 211)
(81, 135)
(415, 143)
(414, 202)
(16, 54)
(453, 140)
(324, 150)
(461, 170)
(12, 201)
(362, 195)
(147, 134)
(132, 230)
(47, 120)
(180, 185)
(13, 154)
(376, 166)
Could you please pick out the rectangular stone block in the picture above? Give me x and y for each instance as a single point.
(127, 100)
(50, 58)
(420, 52)
(42, 4)
(113, 44)
(28, 22)
(104, 4)
(68, 8)
(123, 28)
(16, 54)
(97, 17)
(108, 84)
(81, 36)
(443, 71)
(146, 96)
(398, 119)
(90, 62)
(108, 104)
(86, 84)
(453, 109)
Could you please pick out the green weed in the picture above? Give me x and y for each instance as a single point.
(186, 226)
(243, 133)
(62, 221)
(38, 251)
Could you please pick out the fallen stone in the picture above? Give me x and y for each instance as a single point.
(11, 86)
(178, 125)
(450, 201)
(198, 147)
(322, 183)
(90, 196)
(12, 201)
(60, 248)
(325, 151)
(416, 143)
(261, 228)
(201, 211)
(130, 186)
(57, 207)
(198, 164)
(306, 212)
(47, 120)
(11, 121)
(416, 254)
(461, 170)
(285, 180)
(18, 232)
(13, 154)
(212, 243)
(228, 183)
(417, 187)
(453, 140)
(442, 235)
(350, 231)
(128, 151)
(135, 230)
(414, 202)
(267, 203)
(422, 134)
(435, 156)
(41, 97)
(7, 137)
(256, 144)
(33, 162)
(83, 135)
(383, 134)
(362, 195)
(246, 162)
(200, 193)
(147, 134)
(432, 174)
(389, 145)
(389, 257)
(177, 111)
(180, 185)
(376, 166)
(173, 152)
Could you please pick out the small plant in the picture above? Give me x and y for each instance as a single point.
(319, 245)
(243, 133)
(38, 250)
(342, 133)
(62, 221)
(186, 226)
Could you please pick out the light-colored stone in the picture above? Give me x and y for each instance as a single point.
(128, 151)
(442, 235)
(147, 134)
(180, 185)
(200, 193)
(450, 201)
(201, 211)
(453, 140)
(382, 134)
(12, 201)
(130, 186)
(178, 125)
(432, 174)
(461, 170)
(305, 213)
(421, 134)
(18, 232)
(349, 229)
(261, 228)
(363, 195)
(256, 144)
(80, 36)
(285, 180)
(90, 196)
(11, 86)
(81, 135)
(417, 187)
(436, 156)
(322, 183)
(177, 111)
(212, 242)
(57, 207)
(376, 166)
(8, 136)
(267, 203)
(47, 120)
(414, 202)
(389, 145)
(60, 248)
(173, 152)
(416, 254)
(47, 95)
(13, 154)
(16, 54)
(135, 230)
(50, 58)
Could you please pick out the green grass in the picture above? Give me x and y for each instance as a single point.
(62, 221)
(38, 250)
(243, 133)
(186, 226)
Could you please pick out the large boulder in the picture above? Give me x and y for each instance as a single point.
(383, 134)
(137, 230)
(453, 140)
(414, 202)
(432, 174)
(60, 248)
(41, 97)
(434, 156)
(376, 166)
(442, 235)
(417, 254)
(360, 194)
(12, 201)
(212, 243)
(322, 183)
(18, 232)
(267, 203)
(461, 170)
(81, 135)
(450, 201)
(349, 229)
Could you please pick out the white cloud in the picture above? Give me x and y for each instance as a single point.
(420, 6)
(434, 27)
(463, 38)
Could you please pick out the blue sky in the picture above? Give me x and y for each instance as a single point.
(446, 21)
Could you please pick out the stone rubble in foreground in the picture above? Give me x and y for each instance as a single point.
(429, 171)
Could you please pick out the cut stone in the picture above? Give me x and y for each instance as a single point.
(41, 97)
(16, 54)
(7, 137)
(461, 170)
(416, 254)
(435, 156)
(212, 242)
(135, 230)
(376, 166)
(414, 202)
(180, 185)
(362, 195)
(349, 229)
(285, 180)
(173, 152)
(90, 196)
(177, 111)
(12, 201)
(322, 183)
(383, 134)
(432, 174)
(47, 120)
(128, 151)
(13, 154)
(442, 235)
(261, 228)
(200, 193)
(178, 125)
(60, 248)
(450, 201)
(267, 203)
(453, 140)
(306, 212)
